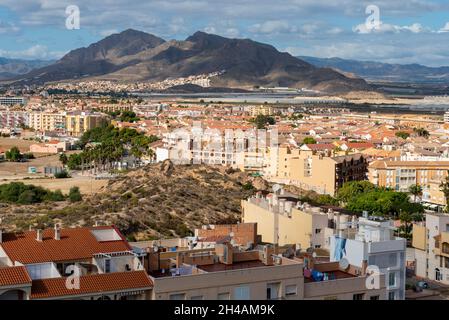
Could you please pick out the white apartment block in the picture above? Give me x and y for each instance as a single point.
(11, 101)
(374, 244)
(13, 119)
(240, 150)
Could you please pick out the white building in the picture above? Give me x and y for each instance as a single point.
(431, 248)
(13, 119)
(11, 101)
(375, 245)
(446, 117)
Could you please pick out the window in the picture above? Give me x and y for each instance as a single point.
(178, 296)
(291, 290)
(223, 296)
(317, 230)
(391, 295)
(241, 293)
(392, 279)
(107, 265)
(374, 298)
(358, 296)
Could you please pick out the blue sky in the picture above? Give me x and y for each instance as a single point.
(411, 31)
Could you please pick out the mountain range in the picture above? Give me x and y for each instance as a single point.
(10, 68)
(378, 71)
(132, 56)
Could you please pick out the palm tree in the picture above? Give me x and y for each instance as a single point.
(415, 190)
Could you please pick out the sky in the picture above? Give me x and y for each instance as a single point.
(404, 31)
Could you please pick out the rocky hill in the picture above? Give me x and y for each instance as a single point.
(150, 202)
(137, 56)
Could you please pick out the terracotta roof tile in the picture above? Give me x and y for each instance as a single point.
(14, 276)
(76, 243)
(92, 284)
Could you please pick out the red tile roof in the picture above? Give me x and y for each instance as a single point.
(75, 244)
(92, 284)
(321, 146)
(14, 276)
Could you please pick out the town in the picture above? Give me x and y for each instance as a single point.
(335, 195)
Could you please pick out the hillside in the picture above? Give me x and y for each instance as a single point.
(133, 56)
(377, 71)
(155, 201)
(10, 68)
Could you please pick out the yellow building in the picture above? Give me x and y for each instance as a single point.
(285, 222)
(79, 122)
(312, 167)
(400, 175)
(264, 110)
(47, 121)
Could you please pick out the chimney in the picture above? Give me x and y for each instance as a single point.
(57, 232)
(39, 235)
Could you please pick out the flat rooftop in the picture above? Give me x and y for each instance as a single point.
(333, 275)
(216, 267)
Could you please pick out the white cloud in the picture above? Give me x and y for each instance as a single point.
(210, 29)
(272, 27)
(108, 32)
(6, 27)
(445, 28)
(390, 28)
(34, 52)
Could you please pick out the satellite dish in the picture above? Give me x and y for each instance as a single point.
(276, 188)
(155, 248)
(343, 263)
(314, 254)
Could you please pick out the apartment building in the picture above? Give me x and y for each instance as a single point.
(247, 151)
(47, 121)
(282, 220)
(226, 272)
(112, 107)
(40, 264)
(10, 119)
(76, 123)
(374, 244)
(11, 101)
(400, 175)
(315, 167)
(265, 110)
(431, 247)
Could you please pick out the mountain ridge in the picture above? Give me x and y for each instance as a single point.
(133, 56)
(379, 71)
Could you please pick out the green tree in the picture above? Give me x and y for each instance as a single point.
(63, 158)
(421, 132)
(416, 190)
(402, 134)
(309, 140)
(75, 194)
(262, 121)
(13, 154)
(62, 175)
(353, 189)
